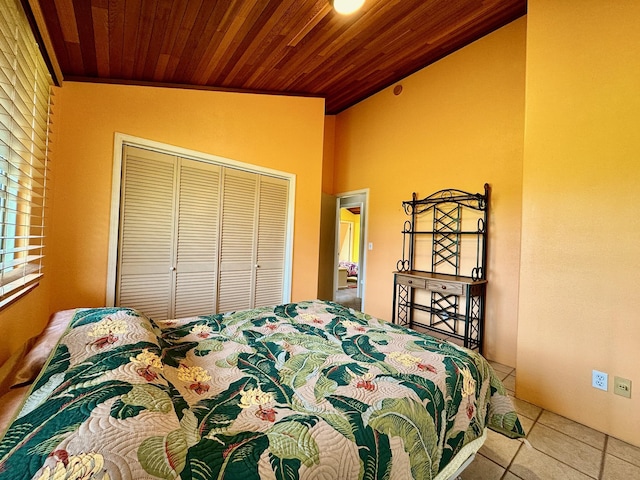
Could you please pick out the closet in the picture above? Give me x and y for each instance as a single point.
(196, 238)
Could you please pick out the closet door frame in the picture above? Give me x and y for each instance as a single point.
(121, 139)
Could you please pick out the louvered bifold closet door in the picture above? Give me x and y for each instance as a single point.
(197, 238)
(272, 228)
(237, 240)
(146, 246)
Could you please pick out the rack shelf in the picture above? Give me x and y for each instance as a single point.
(440, 282)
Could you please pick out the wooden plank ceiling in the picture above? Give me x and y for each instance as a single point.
(299, 47)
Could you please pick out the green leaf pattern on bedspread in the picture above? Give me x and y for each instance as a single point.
(302, 390)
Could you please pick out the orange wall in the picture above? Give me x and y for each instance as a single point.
(458, 123)
(25, 318)
(347, 216)
(329, 152)
(283, 133)
(581, 223)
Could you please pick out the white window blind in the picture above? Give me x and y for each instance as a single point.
(25, 89)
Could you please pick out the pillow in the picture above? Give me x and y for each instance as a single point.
(10, 404)
(12, 365)
(23, 366)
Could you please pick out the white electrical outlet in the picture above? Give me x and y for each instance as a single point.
(599, 380)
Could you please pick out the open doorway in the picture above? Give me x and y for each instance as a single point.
(350, 253)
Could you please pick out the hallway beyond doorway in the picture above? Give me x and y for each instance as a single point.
(348, 297)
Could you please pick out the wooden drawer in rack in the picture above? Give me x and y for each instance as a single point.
(410, 281)
(449, 288)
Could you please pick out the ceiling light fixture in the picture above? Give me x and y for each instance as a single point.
(346, 7)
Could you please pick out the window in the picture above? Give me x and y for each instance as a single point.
(25, 86)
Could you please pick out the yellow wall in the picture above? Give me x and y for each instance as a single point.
(457, 124)
(283, 133)
(347, 216)
(25, 318)
(581, 222)
(328, 153)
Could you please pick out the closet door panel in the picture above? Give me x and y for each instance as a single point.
(234, 290)
(195, 294)
(271, 241)
(146, 232)
(268, 288)
(147, 293)
(237, 240)
(197, 238)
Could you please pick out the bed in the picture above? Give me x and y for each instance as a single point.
(302, 390)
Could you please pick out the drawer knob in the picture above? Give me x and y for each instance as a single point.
(444, 287)
(410, 281)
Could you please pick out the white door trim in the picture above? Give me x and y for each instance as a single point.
(364, 235)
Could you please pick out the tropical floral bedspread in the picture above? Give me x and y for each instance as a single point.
(302, 390)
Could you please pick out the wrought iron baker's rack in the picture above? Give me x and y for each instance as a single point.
(447, 278)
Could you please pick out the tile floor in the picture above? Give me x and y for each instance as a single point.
(348, 297)
(560, 449)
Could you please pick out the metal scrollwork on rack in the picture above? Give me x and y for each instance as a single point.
(404, 264)
(477, 201)
(481, 225)
(409, 206)
(477, 273)
(447, 225)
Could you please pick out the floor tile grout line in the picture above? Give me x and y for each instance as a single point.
(478, 454)
(508, 469)
(623, 459)
(542, 410)
(604, 456)
(574, 437)
(536, 421)
(605, 448)
(522, 444)
(564, 463)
